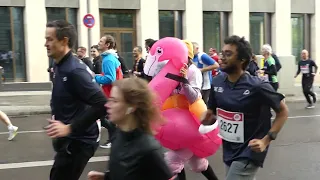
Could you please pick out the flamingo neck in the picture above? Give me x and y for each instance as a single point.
(162, 85)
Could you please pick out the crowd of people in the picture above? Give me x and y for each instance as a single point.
(238, 94)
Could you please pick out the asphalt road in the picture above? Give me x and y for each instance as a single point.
(293, 156)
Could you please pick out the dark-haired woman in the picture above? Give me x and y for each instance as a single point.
(97, 62)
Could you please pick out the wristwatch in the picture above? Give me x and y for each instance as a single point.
(272, 135)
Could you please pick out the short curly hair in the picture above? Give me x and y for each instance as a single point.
(243, 47)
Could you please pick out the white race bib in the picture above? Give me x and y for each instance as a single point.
(231, 125)
(304, 69)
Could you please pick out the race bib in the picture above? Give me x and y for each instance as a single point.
(231, 125)
(304, 69)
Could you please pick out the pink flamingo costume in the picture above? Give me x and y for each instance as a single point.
(181, 130)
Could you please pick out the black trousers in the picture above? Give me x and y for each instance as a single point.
(205, 95)
(71, 158)
(111, 127)
(307, 83)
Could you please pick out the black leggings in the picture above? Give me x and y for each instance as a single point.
(209, 174)
(307, 84)
(205, 95)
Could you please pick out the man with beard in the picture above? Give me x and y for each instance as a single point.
(138, 62)
(241, 104)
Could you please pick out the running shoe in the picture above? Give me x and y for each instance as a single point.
(106, 145)
(310, 106)
(12, 133)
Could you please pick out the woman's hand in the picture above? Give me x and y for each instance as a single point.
(95, 175)
(184, 71)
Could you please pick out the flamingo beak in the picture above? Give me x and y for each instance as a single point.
(150, 67)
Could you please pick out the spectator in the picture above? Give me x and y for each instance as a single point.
(97, 62)
(138, 62)
(81, 53)
(206, 64)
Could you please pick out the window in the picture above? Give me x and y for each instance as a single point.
(257, 31)
(298, 41)
(56, 14)
(121, 25)
(12, 49)
(211, 31)
(68, 14)
(170, 24)
(118, 20)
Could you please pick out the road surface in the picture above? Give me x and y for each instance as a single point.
(293, 156)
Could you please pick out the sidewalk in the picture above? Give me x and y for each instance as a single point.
(37, 102)
(25, 102)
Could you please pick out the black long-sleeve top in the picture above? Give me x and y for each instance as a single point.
(88, 62)
(97, 65)
(136, 155)
(76, 99)
(306, 68)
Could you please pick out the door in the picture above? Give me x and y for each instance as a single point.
(125, 43)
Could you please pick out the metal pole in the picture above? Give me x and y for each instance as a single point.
(1, 69)
(89, 29)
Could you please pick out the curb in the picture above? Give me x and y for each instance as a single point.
(290, 100)
(25, 110)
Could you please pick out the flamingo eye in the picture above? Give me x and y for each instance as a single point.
(159, 51)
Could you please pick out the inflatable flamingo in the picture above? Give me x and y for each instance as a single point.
(181, 129)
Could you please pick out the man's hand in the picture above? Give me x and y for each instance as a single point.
(57, 129)
(260, 71)
(136, 73)
(95, 175)
(208, 118)
(259, 145)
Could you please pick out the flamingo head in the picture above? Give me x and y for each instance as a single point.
(166, 50)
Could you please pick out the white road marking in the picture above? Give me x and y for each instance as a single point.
(24, 132)
(45, 163)
(296, 117)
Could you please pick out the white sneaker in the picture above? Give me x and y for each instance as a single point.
(107, 145)
(12, 133)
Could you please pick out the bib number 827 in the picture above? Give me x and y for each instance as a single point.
(229, 127)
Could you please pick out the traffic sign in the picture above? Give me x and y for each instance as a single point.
(88, 20)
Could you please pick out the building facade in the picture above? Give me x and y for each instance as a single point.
(288, 25)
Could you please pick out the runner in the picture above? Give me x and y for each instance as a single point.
(135, 153)
(241, 104)
(76, 103)
(11, 128)
(192, 90)
(308, 68)
(111, 71)
(269, 71)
